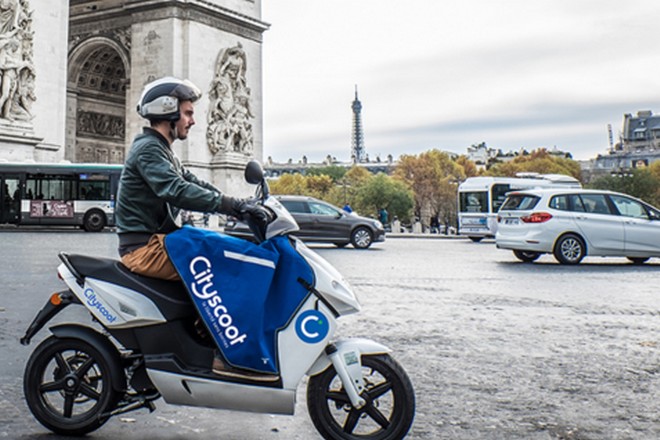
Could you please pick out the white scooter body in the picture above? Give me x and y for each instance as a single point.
(117, 307)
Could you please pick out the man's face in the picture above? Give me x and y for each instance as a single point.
(186, 121)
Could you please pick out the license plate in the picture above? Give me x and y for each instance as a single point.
(511, 221)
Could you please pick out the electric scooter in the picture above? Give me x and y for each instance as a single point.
(146, 345)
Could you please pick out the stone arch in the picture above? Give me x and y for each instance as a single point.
(97, 86)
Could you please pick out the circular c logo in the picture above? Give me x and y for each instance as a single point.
(312, 326)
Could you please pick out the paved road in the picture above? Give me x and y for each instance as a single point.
(496, 349)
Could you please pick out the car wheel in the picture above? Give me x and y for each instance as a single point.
(340, 245)
(526, 256)
(569, 249)
(476, 239)
(361, 238)
(638, 260)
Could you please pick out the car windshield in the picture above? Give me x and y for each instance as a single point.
(520, 202)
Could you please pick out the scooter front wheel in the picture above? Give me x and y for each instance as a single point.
(68, 387)
(387, 415)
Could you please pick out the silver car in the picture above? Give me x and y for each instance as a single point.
(574, 223)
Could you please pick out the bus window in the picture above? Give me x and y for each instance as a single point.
(11, 200)
(499, 191)
(51, 187)
(476, 201)
(94, 187)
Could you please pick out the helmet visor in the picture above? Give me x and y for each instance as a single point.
(186, 91)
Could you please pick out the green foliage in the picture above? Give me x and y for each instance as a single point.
(425, 185)
(289, 184)
(642, 183)
(319, 186)
(538, 161)
(336, 173)
(433, 177)
(365, 192)
(382, 191)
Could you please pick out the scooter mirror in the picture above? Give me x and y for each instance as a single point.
(254, 174)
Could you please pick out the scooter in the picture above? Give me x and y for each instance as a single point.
(147, 346)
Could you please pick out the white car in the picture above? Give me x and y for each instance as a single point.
(574, 223)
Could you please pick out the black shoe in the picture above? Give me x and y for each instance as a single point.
(221, 369)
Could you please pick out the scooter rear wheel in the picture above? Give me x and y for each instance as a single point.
(68, 387)
(389, 411)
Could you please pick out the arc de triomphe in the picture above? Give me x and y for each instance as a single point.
(71, 78)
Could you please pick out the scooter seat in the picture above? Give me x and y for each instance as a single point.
(170, 297)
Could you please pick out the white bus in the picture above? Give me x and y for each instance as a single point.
(58, 194)
(479, 199)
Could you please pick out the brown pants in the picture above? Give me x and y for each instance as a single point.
(151, 260)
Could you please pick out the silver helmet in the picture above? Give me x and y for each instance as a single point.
(160, 99)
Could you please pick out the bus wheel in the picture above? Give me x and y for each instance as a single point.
(94, 220)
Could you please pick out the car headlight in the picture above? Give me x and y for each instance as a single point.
(378, 224)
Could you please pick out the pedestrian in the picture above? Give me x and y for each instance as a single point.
(383, 216)
(435, 225)
(154, 186)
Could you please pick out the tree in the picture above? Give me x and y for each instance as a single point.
(469, 168)
(319, 186)
(382, 191)
(432, 176)
(335, 172)
(289, 184)
(641, 183)
(538, 161)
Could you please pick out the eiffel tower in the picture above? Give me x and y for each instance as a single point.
(358, 153)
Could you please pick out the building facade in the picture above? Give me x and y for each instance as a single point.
(72, 77)
(638, 146)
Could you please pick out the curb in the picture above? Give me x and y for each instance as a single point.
(428, 236)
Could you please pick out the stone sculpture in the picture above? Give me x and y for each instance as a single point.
(229, 128)
(17, 73)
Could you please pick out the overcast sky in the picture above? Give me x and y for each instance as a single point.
(448, 74)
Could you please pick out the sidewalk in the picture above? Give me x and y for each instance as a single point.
(423, 235)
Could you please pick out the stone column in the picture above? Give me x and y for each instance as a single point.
(216, 45)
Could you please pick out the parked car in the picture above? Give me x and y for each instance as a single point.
(321, 222)
(574, 223)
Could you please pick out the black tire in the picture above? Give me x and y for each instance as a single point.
(476, 239)
(526, 256)
(361, 238)
(340, 245)
(94, 220)
(638, 260)
(569, 249)
(389, 411)
(68, 387)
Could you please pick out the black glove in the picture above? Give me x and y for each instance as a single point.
(242, 209)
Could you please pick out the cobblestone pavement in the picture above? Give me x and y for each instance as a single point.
(496, 349)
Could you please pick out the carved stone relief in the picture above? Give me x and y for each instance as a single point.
(121, 36)
(16, 61)
(229, 126)
(99, 124)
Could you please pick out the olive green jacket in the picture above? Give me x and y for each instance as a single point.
(154, 186)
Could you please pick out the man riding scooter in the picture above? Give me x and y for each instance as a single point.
(154, 186)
